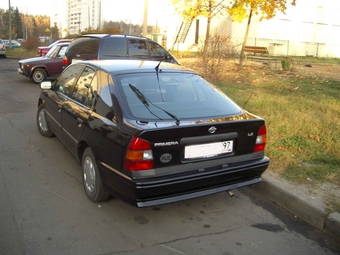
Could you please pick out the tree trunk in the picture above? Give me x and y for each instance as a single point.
(206, 41)
(245, 38)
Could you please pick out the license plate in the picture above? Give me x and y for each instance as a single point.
(208, 149)
(76, 60)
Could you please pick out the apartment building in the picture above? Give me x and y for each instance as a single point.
(73, 16)
(83, 14)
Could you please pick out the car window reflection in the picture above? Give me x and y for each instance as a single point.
(83, 92)
(66, 81)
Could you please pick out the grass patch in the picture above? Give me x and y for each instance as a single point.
(303, 121)
(322, 60)
(302, 115)
(20, 53)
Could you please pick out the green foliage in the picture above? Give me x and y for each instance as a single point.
(22, 24)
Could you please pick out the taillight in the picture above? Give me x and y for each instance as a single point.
(39, 52)
(139, 155)
(3, 47)
(261, 139)
(65, 61)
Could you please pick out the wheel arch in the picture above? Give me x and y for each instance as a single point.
(39, 67)
(81, 149)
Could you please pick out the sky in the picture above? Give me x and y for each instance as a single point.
(115, 10)
(34, 7)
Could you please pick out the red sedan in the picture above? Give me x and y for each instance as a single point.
(42, 51)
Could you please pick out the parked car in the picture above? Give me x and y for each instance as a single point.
(14, 44)
(2, 49)
(106, 46)
(41, 68)
(151, 132)
(42, 50)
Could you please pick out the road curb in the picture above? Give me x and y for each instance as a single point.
(303, 206)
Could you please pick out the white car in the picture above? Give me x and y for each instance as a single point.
(14, 43)
(2, 49)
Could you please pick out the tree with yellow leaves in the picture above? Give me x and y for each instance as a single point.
(190, 9)
(266, 9)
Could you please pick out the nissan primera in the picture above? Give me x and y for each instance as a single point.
(151, 133)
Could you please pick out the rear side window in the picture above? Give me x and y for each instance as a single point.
(157, 51)
(114, 47)
(138, 48)
(86, 48)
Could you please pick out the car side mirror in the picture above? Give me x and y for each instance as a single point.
(46, 85)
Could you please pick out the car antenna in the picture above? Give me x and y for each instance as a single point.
(248, 99)
(159, 86)
(157, 66)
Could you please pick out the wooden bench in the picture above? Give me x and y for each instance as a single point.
(259, 53)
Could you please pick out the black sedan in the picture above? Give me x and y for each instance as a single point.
(151, 133)
(40, 68)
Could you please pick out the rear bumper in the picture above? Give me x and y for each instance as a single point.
(158, 191)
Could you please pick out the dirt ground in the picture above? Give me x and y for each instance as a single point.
(327, 71)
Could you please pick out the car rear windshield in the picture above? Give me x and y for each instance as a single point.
(152, 96)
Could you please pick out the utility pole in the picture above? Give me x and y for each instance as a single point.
(10, 24)
(145, 21)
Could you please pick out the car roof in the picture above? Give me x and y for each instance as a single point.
(126, 66)
(112, 35)
(62, 43)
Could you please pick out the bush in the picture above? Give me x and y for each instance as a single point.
(220, 47)
(31, 43)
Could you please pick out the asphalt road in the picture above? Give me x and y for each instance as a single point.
(44, 210)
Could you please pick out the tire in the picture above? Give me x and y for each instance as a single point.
(43, 127)
(38, 75)
(92, 181)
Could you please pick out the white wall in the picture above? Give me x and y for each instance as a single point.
(311, 27)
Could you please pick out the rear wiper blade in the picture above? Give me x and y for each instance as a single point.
(170, 114)
(146, 101)
(143, 99)
(139, 94)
